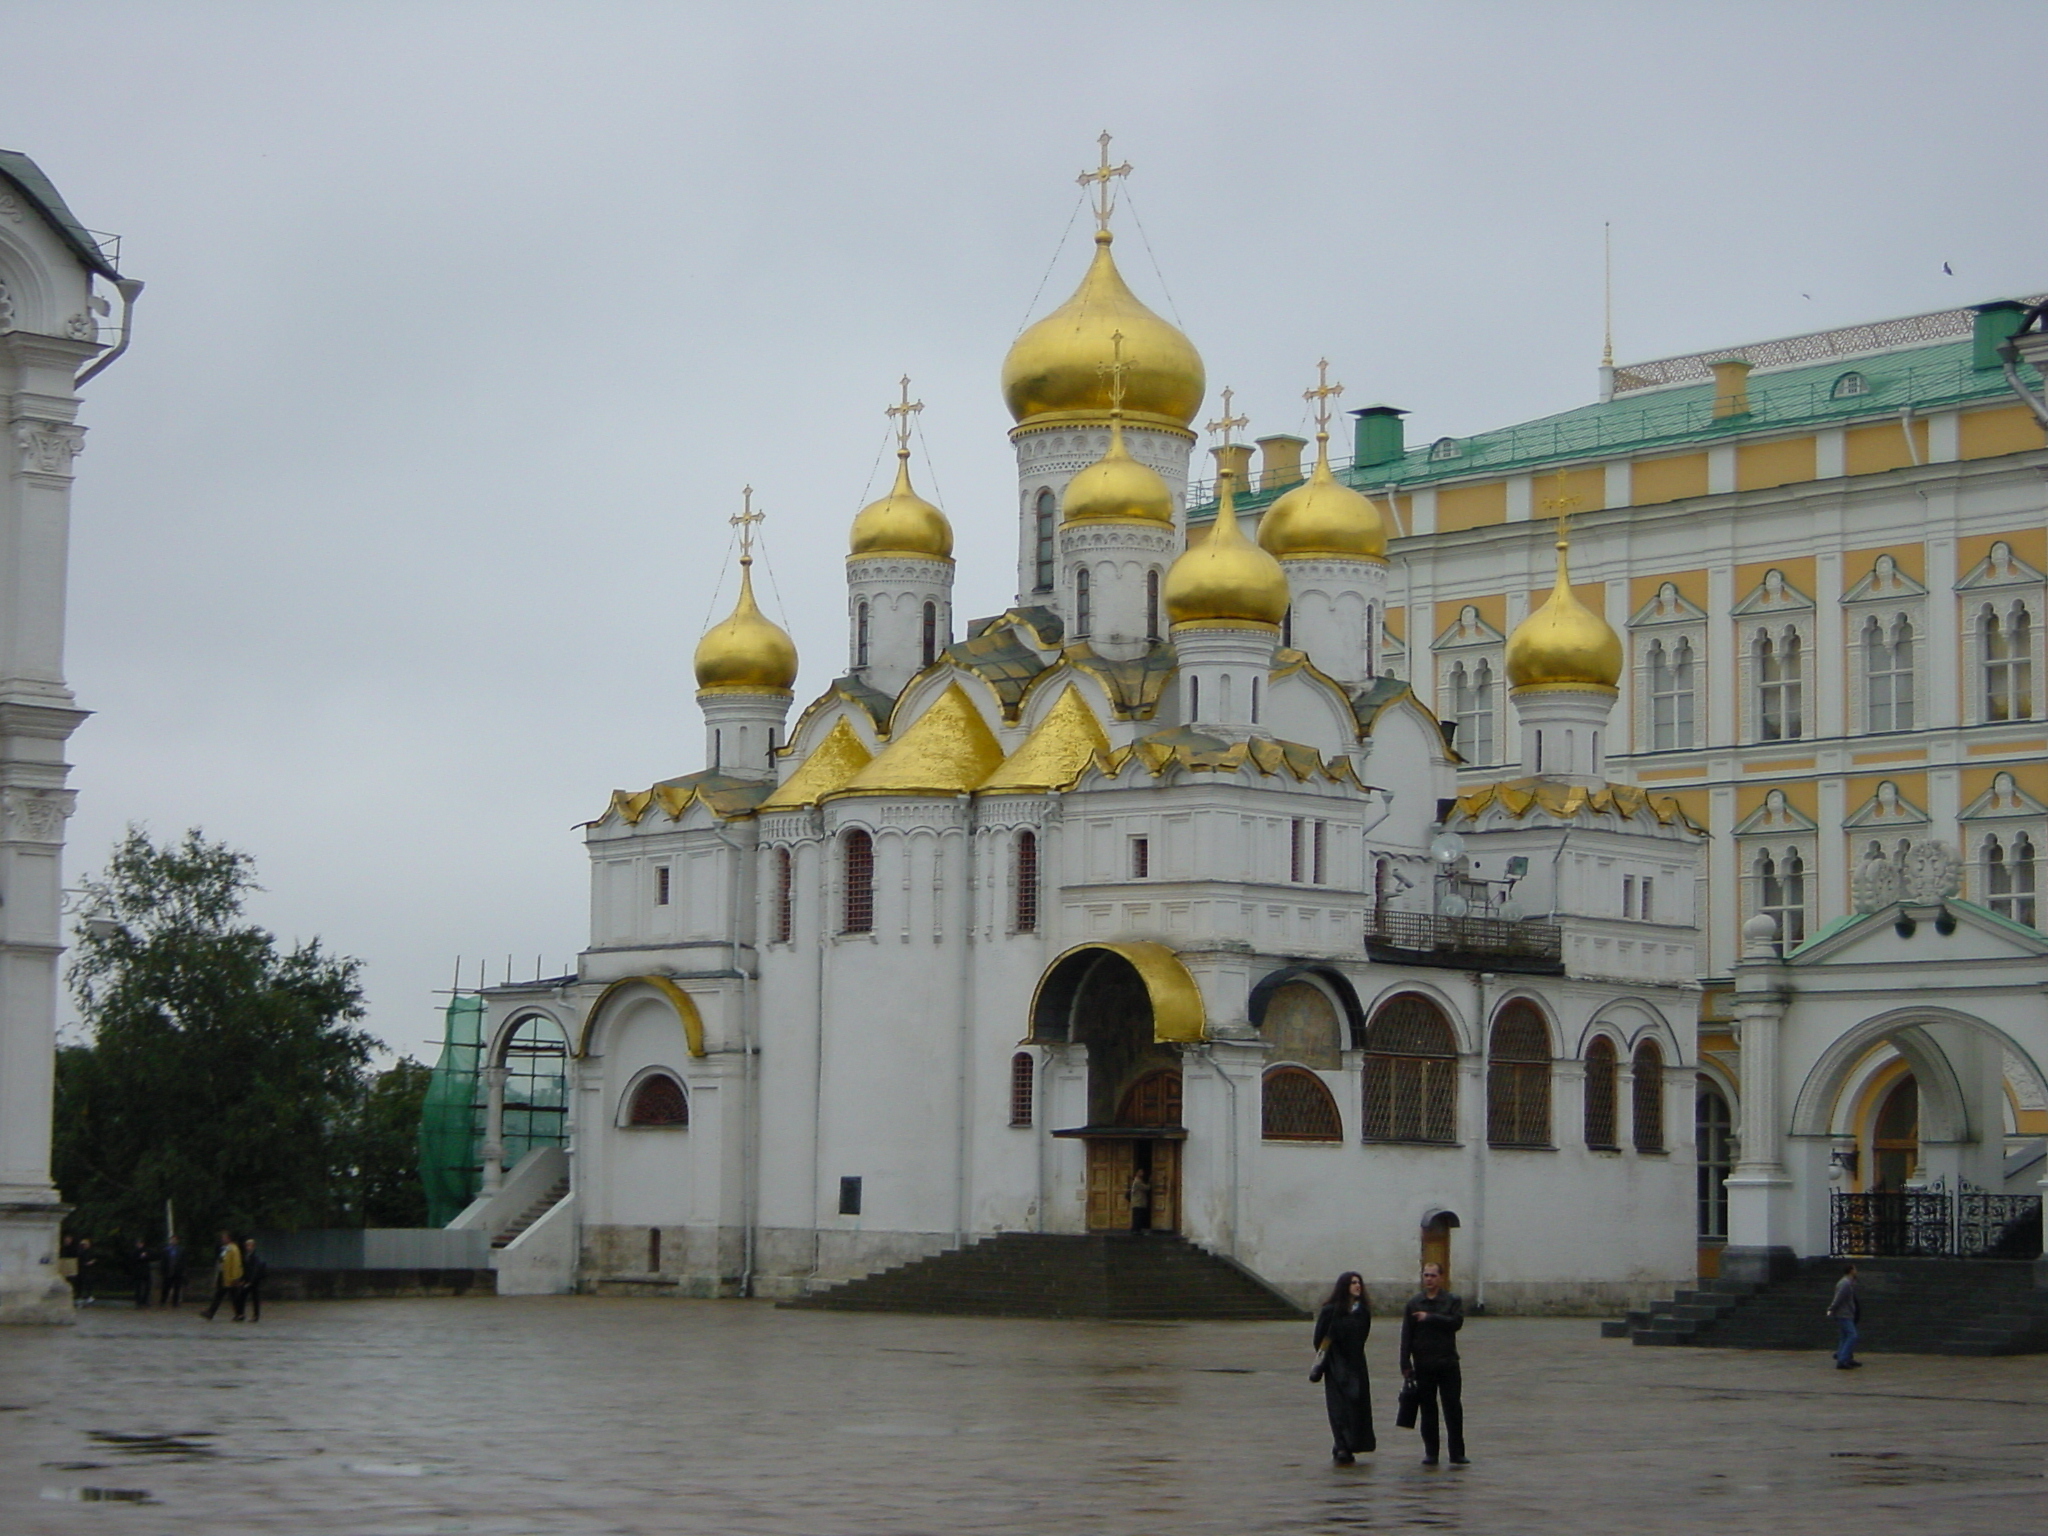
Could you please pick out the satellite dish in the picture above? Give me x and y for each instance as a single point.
(1447, 848)
(1511, 911)
(1455, 905)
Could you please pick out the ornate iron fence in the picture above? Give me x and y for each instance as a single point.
(1994, 1226)
(1934, 1224)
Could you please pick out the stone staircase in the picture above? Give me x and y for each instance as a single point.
(531, 1214)
(1019, 1274)
(1910, 1306)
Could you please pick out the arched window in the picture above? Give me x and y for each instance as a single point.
(1649, 1097)
(1671, 696)
(1151, 605)
(1255, 701)
(1296, 1105)
(859, 911)
(1027, 882)
(1780, 694)
(1601, 1082)
(1712, 1127)
(860, 634)
(1411, 1072)
(1850, 385)
(1042, 527)
(536, 1062)
(1472, 710)
(1781, 895)
(1023, 1074)
(931, 633)
(1888, 673)
(1445, 448)
(785, 896)
(1194, 699)
(2009, 877)
(659, 1100)
(1084, 608)
(2008, 645)
(1287, 627)
(1518, 1079)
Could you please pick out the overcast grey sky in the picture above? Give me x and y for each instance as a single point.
(466, 323)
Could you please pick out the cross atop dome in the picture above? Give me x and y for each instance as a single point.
(1115, 370)
(1102, 176)
(1322, 395)
(744, 520)
(901, 414)
(1227, 423)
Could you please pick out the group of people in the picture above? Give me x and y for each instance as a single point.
(1432, 1389)
(238, 1274)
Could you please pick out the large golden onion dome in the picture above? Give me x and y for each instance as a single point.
(1055, 368)
(1116, 488)
(902, 522)
(1564, 644)
(1226, 579)
(1323, 516)
(748, 652)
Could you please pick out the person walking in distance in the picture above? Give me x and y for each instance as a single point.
(1342, 1328)
(172, 1259)
(1846, 1309)
(254, 1268)
(1141, 1202)
(1430, 1320)
(227, 1279)
(139, 1262)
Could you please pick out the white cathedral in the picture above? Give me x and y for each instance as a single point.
(1158, 871)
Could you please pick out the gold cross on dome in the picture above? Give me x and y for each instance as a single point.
(1563, 504)
(1227, 423)
(1102, 176)
(1116, 369)
(901, 412)
(745, 520)
(1323, 394)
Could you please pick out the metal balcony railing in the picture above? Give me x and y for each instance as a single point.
(1465, 943)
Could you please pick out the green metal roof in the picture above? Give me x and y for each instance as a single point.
(1924, 378)
(28, 179)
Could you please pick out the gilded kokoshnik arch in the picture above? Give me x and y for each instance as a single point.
(685, 1007)
(1177, 1013)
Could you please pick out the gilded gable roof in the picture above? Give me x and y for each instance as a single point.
(838, 758)
(949, 750)
(1061, 745)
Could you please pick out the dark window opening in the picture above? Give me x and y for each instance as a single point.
(659, 1100)
(859, 912)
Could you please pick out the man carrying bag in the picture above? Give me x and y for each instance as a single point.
(1430, 1321)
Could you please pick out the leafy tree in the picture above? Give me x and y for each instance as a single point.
(221, 1070)
(382, 1147)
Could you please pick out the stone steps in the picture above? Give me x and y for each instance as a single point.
(531, 1214)
(1014, 1274)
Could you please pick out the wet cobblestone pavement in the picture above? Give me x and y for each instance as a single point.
(547, 1415)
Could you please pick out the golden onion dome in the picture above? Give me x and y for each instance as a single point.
(1116, 488)
(748, 652)
(902, 522)
(1564, 644)
(1323, 516)
(1056, 367)
(1226, 579)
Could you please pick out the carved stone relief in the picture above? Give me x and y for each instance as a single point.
(48, 447)
(36, 815)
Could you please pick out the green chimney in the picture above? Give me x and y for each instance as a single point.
(1997, 322)
(1377, 437)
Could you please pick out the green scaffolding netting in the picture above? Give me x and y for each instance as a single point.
(451, 1121)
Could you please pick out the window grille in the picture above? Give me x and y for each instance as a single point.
(1780, 694)
(1601, 1082)
(1781, 894)
(1141, 858)
(1411, 1073)
(859, 915)
(1320, 861)
(662, 876)
(2008, 645)
(1042, 531)
(1027, 882)
(536, 1062)
(931, 633)
(1518, 1079)
(1296, 1105)
(1472, 709)
(860, 634)
(1888, 673)
(1084, 608)
(1644, 909)
(659, 1100)
(1023, 1077)
(1648, 1097)
(1151, 605)
(1712, 1129)
(1671, 696)
(1296, 838)
(785, 896)
(1194, 698)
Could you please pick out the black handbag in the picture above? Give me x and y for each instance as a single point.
(1408, 1405)
(1315, 1372)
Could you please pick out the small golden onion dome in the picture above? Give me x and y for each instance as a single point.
(748, 652)
(1054, 368)
(1564, 644)
(1116, 488)
(1226, 579)
(1323, 516)
(902, 522)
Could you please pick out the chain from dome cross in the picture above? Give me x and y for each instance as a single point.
(901, 414)
(1102, 176)
(744, 520)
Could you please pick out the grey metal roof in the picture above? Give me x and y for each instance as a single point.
(28, 179)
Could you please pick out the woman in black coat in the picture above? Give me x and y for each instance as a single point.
(1342, 1328)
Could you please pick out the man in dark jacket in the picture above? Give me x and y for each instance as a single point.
(1430, 1321)
(254, 1270)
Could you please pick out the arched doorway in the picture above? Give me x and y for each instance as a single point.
(1895, 1136)
(535, 1057)
(1436, 1242)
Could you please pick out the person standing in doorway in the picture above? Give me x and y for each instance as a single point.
(1342, 1328)
(172, 1258)
(1141, 1202)
(1430, 1320)
(254, 1268)
(227, 1278)
(1846, 1308)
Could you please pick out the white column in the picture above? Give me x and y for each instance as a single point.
(1758, 1188)
(494, 1128)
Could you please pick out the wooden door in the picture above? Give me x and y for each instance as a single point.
(1110, 1164)
(1165, 1186)
(1436, 1248)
